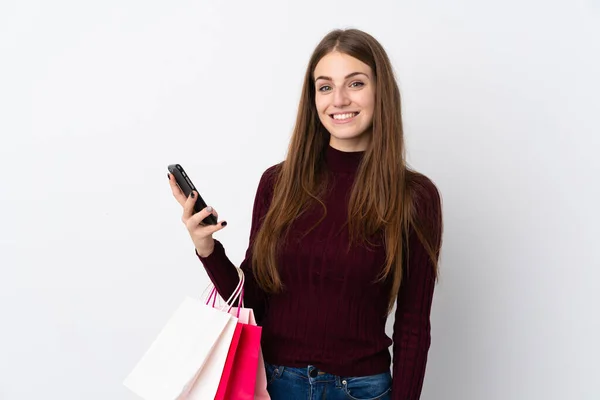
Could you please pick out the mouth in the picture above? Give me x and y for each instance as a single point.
(343, 117)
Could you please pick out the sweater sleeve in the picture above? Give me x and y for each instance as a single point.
(412, 319)
(223, 273)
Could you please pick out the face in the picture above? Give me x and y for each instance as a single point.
(345, 100)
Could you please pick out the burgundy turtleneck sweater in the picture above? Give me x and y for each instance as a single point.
(331, 315)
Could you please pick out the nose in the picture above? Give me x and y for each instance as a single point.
(340, 98)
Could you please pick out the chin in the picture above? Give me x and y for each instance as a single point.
(346, 137)
(340, 134)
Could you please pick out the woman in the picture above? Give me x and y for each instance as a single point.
(341, 230)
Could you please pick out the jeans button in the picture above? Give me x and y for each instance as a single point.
(313, 373)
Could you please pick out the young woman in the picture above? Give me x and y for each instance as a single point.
(341, 231)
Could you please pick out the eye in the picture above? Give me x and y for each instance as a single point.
(357, 84)
(324, 88)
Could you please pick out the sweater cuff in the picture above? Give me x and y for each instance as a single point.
(216, 254)
(216, 259)
(220, 270)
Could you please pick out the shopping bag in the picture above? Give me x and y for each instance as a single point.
(172, 363)
(229, 364)
(247, 379)
(260, 389)
(222, 390)
(189, 352)
(246, 316)
(242, 383)
(208, 381)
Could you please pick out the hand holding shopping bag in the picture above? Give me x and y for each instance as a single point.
(189, 353)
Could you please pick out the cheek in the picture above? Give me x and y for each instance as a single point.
(370, 104)
(321, 105)
(368, 109)
(368, 99)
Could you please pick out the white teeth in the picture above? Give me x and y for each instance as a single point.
(344, 116)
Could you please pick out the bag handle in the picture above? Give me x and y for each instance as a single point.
(238, 293)
(214, 294)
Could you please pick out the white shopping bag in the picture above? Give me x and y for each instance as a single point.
(189, 352)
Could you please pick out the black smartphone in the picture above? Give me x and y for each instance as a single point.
(186, 185)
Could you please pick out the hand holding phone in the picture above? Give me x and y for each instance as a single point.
(185, 184)
(200, 222)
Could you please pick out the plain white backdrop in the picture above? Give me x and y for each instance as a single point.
(501, 108)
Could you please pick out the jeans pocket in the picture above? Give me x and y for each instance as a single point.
(372, 387)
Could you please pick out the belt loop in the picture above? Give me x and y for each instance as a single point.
(338, 382)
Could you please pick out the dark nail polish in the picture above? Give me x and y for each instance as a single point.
(224, 223)
(193, 195)
(169, 176)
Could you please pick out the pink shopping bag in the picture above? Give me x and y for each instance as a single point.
(242, 382)
(221, 391)
(260, 390)
(246, 316)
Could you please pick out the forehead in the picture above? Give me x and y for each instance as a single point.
(337, 65)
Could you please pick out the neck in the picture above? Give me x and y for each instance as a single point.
(343, 161)
(360, 143)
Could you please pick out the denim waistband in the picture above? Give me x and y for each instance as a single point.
(314, 374)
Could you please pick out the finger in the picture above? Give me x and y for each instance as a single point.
(197, 218)
(216, 228)
(177, 193)
(188, 206)
(210, 229)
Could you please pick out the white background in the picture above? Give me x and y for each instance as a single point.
(501, 104)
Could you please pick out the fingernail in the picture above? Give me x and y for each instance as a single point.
(169, 176)
(193, 195)
(224, 223)
(209, 209)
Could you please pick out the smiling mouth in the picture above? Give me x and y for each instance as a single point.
(344, 117)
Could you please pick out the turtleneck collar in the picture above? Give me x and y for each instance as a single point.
(343, 161)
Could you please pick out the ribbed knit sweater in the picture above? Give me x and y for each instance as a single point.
(331, 314)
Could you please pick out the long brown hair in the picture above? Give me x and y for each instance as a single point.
(382, 198)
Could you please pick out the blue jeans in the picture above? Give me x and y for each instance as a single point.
(286, 383)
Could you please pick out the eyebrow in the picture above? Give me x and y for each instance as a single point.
(328, 78)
